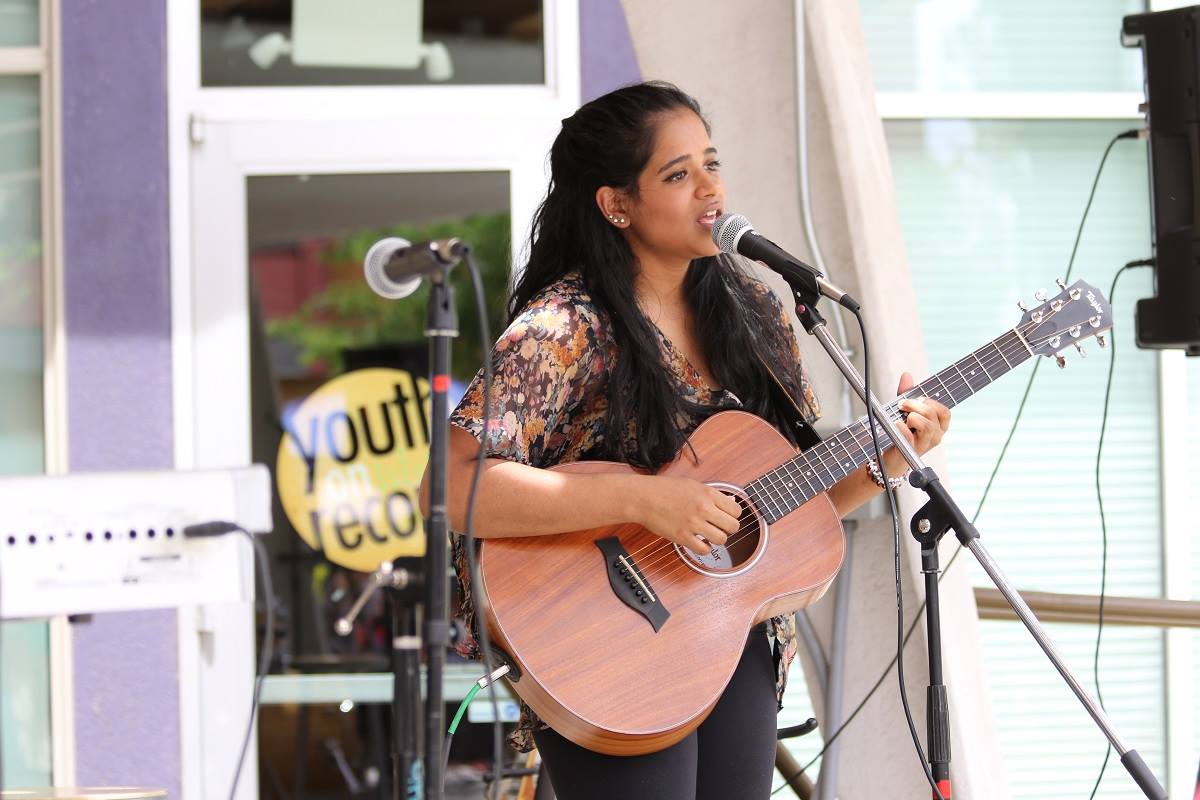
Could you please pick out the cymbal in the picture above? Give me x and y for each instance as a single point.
(83, 793)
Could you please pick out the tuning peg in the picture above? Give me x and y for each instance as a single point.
(1061, 283)
(1079, 347)
(1040, 295)
(1100, 340)
(1062, 362)
(1021, 305)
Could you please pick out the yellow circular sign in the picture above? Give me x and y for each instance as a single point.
(350, 465)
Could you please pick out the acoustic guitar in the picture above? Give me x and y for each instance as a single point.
(623, 641)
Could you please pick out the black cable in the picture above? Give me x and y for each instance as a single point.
(871, 425)
(446, 759)
(268, 640)
(1103, 523)
(477, 595)
(268, 645)
(1132, 133)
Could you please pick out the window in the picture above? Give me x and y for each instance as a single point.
(1000, 46)
(19, 23)
(381, 42)
(316, 318)
(21, 443)
(24, 188)
(996, 116)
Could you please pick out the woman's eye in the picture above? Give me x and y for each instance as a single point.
(677, 176)
(714, 165)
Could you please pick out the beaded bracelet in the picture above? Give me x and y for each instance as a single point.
(877, 476)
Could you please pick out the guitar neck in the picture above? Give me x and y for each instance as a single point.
(795, 482)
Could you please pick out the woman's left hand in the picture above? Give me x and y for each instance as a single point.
(928, 421)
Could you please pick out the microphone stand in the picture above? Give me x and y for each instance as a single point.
(939, 514)
(403, 586)
(441, 326)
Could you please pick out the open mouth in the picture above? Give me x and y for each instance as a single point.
(709, 217)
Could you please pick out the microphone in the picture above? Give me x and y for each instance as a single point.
(733, 233)
(394, 267)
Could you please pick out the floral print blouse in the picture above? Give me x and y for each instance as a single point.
(549, 390)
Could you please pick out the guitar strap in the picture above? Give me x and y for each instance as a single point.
(806, 435)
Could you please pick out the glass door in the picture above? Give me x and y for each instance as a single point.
(276, 195)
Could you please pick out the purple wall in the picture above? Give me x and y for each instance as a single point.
(118, 329)
(606, 55)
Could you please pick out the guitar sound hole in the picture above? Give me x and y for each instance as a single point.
(740, 549)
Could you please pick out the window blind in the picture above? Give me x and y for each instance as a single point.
(1000, 45)
(989, 211)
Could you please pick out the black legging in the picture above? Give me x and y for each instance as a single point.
(731, 756)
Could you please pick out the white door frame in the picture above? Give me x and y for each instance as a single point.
(219, 138)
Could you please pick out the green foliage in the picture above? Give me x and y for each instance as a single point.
(348, 314)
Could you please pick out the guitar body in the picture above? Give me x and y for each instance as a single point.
(603, 666)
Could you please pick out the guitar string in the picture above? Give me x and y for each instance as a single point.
(664, 549)
(682, 568)
(752, 527)
(666, 552)
(856, 432)
(861, 421)
(849, 432)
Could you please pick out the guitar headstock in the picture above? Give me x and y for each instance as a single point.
(1074, 314)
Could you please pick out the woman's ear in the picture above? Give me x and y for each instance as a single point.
(612, 206)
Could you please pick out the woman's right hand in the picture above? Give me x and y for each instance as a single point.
(686, 511)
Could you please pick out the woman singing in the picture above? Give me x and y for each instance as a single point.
(627, 328)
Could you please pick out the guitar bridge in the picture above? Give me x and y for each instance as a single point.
(629, 584)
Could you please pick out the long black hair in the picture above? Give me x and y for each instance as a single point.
(608, 142)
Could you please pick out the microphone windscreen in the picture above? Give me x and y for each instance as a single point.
(375, 269)
(728, 229)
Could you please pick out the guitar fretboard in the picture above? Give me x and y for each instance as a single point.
(795, 482)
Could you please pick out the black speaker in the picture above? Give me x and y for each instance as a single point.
(1171, 54)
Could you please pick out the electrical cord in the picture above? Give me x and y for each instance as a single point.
(891, 495)
(268, 641)
(921, 609)
(1132, 133)
(472, 557)
(1103, 523)
(486, 680)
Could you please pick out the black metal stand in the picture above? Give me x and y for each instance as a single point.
(441, 326)
(403, 586)
(413, 779)
(937, 516)
(929, 533)
(406, 695)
